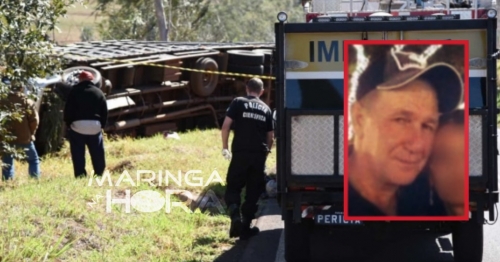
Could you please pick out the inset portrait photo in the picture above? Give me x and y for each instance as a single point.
(406, 107)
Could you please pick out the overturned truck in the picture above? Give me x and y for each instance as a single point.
(154, 87)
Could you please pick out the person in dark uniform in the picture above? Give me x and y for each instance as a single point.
(253, 129)
(399, 98)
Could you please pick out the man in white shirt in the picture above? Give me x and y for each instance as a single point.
(85, 114)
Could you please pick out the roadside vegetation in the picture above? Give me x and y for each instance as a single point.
(52, 219)
(187, 20)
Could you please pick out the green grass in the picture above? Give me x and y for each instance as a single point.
(50, 220)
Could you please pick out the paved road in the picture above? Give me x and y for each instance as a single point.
(263, 247)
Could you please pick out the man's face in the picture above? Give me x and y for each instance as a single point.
(447, 164)
(394, 132)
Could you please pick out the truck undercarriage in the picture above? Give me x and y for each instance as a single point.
(155, 87)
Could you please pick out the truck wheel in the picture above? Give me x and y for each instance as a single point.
(268, 54)
(107, 87)
(269, 70)
(297, 247)
(204, 84)
(468, 241)
(70, 75)
(245, 57)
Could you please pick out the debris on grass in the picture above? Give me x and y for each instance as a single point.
(170, 134)
(122, 166)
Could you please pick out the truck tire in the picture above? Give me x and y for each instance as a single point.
(204, 84)
(248, 70)
(269, 70)
(268, 54)
(107, 87)
(70, 75)
(467, 241)
(297, 246)
(245, 57)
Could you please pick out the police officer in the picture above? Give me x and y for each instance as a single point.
(251, 120)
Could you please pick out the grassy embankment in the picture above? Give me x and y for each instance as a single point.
(51, 220)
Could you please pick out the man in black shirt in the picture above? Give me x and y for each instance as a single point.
(253, 128)
(85, 114)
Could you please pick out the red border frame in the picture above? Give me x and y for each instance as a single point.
(465, 43)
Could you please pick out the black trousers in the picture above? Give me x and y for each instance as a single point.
(95, 145)
(246, 169)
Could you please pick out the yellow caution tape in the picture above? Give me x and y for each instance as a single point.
(168, 66)
(183, 68)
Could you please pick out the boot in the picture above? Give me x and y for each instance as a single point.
(234, 214)
(247, 231)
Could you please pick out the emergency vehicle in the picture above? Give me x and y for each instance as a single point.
(310, 127)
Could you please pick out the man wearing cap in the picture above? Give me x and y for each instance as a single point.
(85, 114)
(399, 99)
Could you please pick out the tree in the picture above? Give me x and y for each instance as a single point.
(247, 21)
(196, 20)
(87, 34)
(135, 19)
(25, 49)
(132, 19)
(162, 22)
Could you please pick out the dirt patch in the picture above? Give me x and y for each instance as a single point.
(122, 166)
(120, 193)
(80, 237)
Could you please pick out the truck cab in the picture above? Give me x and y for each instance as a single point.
(310, 105)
